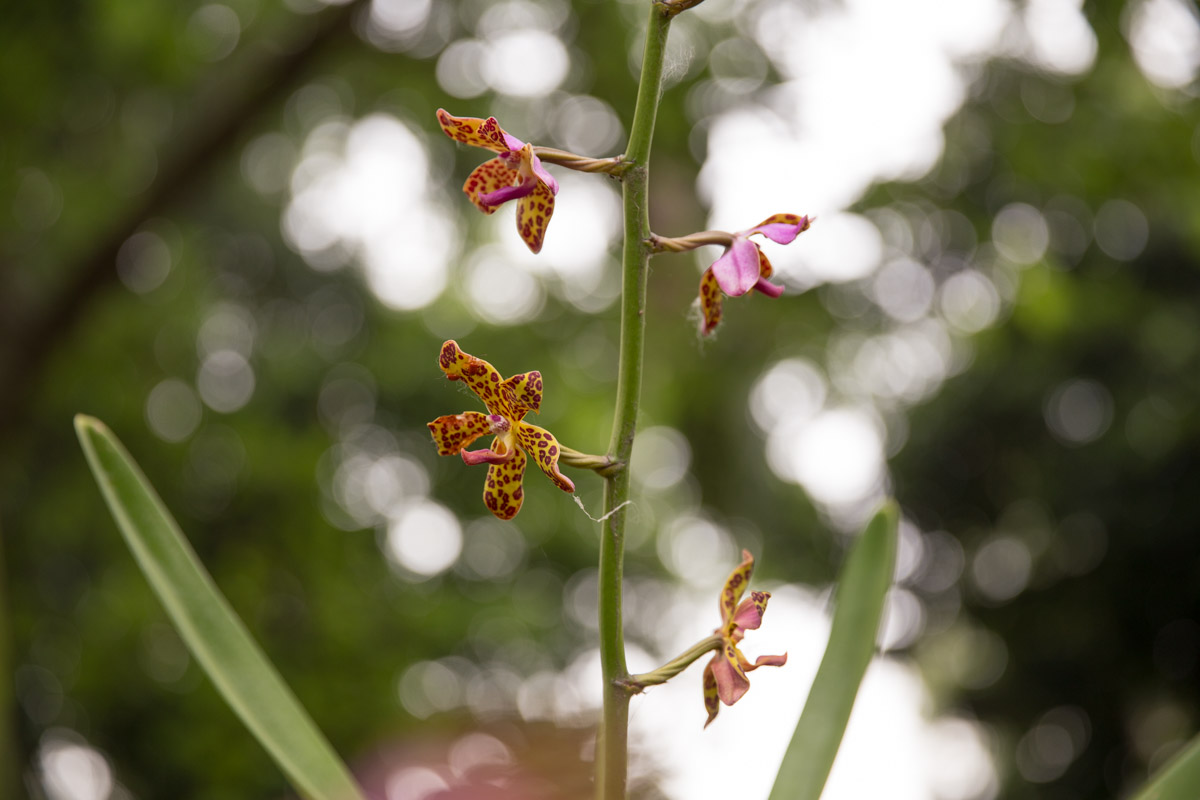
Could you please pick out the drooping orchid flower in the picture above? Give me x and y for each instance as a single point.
(507, 401)
(744, 266)
(514, 174)
(725, 678)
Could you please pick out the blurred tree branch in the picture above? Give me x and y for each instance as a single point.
(261, 77)
(9, 770)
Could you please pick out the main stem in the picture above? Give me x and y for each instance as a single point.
(612, 745)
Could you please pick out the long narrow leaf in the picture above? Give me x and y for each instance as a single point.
(209, 627)
(1179, 779)
(858, 607)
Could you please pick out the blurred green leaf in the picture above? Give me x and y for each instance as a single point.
(215, 635)
(858, 607)
(1178, 780)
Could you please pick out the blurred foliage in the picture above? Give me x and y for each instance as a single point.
(116, 119)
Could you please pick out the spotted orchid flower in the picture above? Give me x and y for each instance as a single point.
(507, 402)
(725, 675)
(744, 266)
(514, 174)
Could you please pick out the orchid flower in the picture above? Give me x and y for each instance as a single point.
(725, 675)
(744, 266)
(507, 402)
(514, 174)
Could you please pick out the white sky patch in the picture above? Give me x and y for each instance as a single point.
(1165, 37)
(363, 192)
(526, 63)
(586, 222)
(1059, 37)
(499, 292)
(71, 770)
(870, 84)
(837, 248)
(837, 455)
(425, 538)
(516, 53)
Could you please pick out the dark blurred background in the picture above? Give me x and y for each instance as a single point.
(233, 232)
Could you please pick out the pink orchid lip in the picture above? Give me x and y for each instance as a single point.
(768, 288)
(473, 457)
(506, 193)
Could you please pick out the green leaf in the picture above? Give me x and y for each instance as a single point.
(858, 607)
(217, 638)
(1179, 779)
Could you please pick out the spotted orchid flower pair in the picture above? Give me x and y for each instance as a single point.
(516, 173)
(517, 442)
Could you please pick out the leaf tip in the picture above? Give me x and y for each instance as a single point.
(88, 427)
(889, 511)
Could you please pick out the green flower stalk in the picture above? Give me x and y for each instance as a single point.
(612, 745)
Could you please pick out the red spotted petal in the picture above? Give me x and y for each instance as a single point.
(503, 493)
(749, 614)
(453, 432)
(544, 449)
(533, 215)
(711, 698)
(479, 375)
(710, 302)
(477, 132)
(526, 391)
(735, 585)
(732, 682)
(781, 228)
(487, 179)
(765, 270)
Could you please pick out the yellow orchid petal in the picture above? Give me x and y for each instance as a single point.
(480, 376)
(765, 270)
(503, 493)
(544, 449)
(474, 131)
(526, 389)
(453, 432)
(490, 176)
(711, 696)
(533, 215)
(710, 302)
(735, 585)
